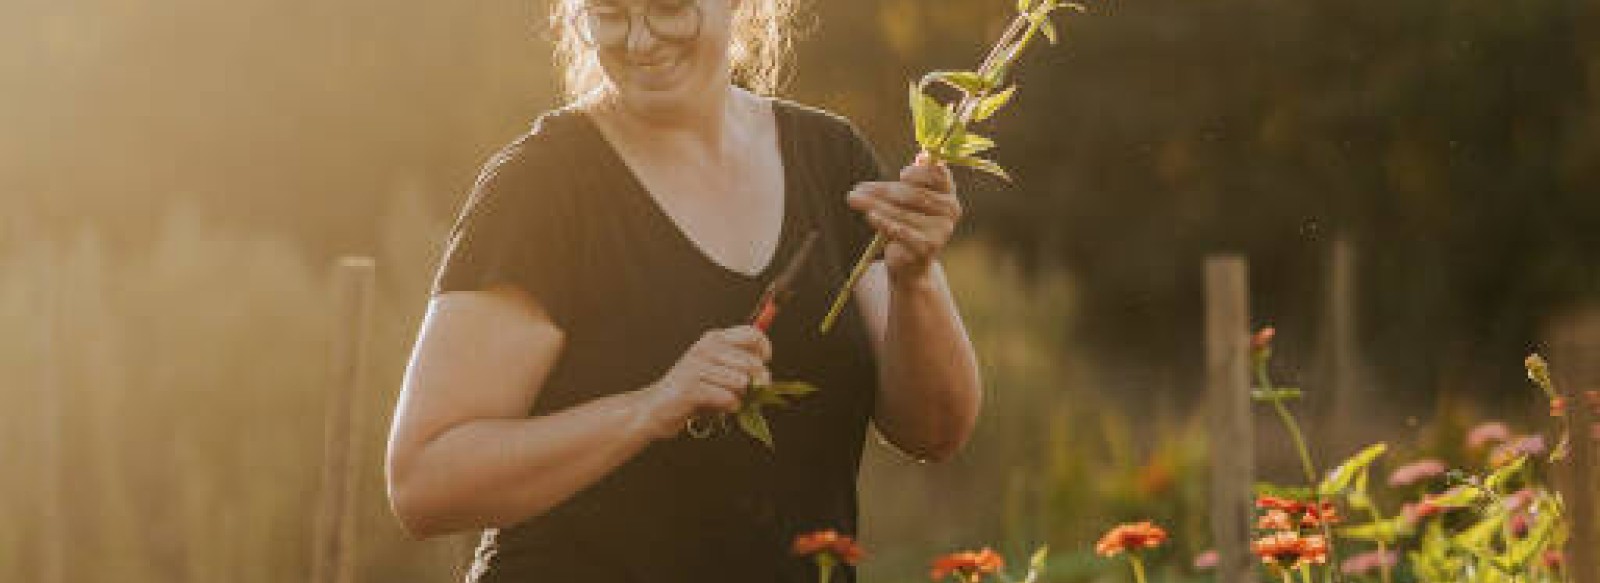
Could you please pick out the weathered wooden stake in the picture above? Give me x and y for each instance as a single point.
(333, 554)
(1574, 354)
(1228, 399)
(1343, 371)
(53, 502)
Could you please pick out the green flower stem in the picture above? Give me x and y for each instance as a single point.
(1305, 572)
(1002, 53)
(1138, 567)
(1305, 456)
(825, 563)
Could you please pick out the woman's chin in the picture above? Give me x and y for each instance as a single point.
(658, 102)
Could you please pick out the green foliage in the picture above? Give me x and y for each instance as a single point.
(778, 394)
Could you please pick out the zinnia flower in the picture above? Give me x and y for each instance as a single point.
(1289, 550)
(968, 565)
(1135, 536)
(1316, 515)
(1553, 559)
(1366, 562)
(1275, 519)
(1427, 507)
(1276, 503)
(828, 541)
(1558, 407)
(1262, 339)
(1206, 560)
(1520, 498)
(1416, 471)
(1525, 445)
(1485, 433)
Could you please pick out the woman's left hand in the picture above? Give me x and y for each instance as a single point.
(916, 214)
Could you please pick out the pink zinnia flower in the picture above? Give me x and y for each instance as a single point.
(1519, 499)
(1206, 560)
(1484, 433)
(1417, 471)
(1365, 562)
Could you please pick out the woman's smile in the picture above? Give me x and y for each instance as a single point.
(654, 74)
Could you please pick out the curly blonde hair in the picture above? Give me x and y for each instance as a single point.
(763, 42)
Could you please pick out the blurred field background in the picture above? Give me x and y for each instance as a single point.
(180, 178)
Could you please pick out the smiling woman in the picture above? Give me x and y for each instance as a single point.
(757, 44)
(587, 308)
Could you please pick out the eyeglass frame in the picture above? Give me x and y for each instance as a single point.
(585, 35)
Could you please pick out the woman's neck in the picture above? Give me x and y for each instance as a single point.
(708, 125)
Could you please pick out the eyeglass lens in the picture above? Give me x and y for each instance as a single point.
(609, 24)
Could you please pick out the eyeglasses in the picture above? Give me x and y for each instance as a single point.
(609, 24)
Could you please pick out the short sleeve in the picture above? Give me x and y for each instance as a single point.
(512, 230)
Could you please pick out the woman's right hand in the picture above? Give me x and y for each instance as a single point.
(711, 376)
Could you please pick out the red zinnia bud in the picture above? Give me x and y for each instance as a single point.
(1262, 339)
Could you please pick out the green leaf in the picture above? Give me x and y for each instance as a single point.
(755, 425)
(1341, 477)
(929, 117)
(1289, 492)
(761, 396)
(1381, 530)
(1457, 497)
(1497, 480)
(1539, 535)
(1477, 535)
(967, 81)
(1048, 28)
(997, 74)
(982, 165)
(992, 103)
(791, 388)
(1036, 564)
(921, 114)
(966, 145)
(1270, 395)
(1357, 496)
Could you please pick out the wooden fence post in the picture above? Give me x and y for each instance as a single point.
(53, 504)
(333, 556)
(1574, 354)
(1343, 373)
(1228, 400)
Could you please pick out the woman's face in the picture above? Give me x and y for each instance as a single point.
(660, 56)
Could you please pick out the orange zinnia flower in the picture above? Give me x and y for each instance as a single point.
(829, 541)
(1290, 550)
(969, 565)
(1276, 503)
(1316, 515)
(1275, 520)
(1138, 535)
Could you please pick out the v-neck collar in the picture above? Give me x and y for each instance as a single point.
(790, 206)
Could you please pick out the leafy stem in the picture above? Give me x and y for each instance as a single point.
(942, 129)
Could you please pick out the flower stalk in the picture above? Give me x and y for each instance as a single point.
(941, 129)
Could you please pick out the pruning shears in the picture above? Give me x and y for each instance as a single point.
(779, 291)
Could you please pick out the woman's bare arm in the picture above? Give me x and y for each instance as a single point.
(929, 391)
(463, 453)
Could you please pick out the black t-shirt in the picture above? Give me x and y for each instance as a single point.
(559, 214)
